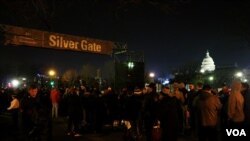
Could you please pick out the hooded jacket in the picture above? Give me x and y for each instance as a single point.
(208, 106)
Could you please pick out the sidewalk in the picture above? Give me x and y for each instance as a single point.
(59, 133)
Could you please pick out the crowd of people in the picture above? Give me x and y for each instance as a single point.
(197, 110)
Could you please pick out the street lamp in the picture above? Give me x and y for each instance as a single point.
(245, 80)
(15, 83)
(52, 73)
(211, 78)
(151, 76)
(239, 74)
(131, 65)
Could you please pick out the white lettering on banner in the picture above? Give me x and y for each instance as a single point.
(236, 132)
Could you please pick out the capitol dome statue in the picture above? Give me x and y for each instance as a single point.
(207, 64)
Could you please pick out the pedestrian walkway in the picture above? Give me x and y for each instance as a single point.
(60, 126)
(59, 133)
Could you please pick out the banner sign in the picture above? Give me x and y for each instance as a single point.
(36, 38)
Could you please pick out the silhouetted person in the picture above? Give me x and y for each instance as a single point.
(208, 107)
(14, 109)
(35, 116)
(168, 115)
(246, 94)
(149, 110)
(75, 112)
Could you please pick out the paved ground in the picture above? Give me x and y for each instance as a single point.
(7, 133)
(59, 132)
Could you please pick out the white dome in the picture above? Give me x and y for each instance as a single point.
(207, 64)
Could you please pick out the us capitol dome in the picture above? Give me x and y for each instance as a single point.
(207, 64)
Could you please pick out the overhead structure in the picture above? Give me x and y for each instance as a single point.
(19, 36)
(129, 65)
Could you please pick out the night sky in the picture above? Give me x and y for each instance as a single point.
(171, 33)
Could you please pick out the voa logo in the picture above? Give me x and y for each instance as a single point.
(236, 132)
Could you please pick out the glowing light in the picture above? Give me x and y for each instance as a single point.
(239, 74)
(52, 73)
(151, 74)
(9, 85)
(130, 65)
(15, 83)
(166, 82)
(211, 78)
(202, 70)
(52, 83)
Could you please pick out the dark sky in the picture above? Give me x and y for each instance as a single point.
(171, 33)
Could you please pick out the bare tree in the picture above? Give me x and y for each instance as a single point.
(108, 70)
(87, 72)
(69, 77)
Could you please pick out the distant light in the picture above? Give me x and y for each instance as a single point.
(239, 74)
(151, 74)
(202, 70)
(245, 80)
(52, 73)
(52, 83)
(211, 78)
(24, 79)
(9, 85)
(166, 82)
(130, 65)
(15, 83)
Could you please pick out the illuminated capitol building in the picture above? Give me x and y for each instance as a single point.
(207, 64)
(224, 74)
